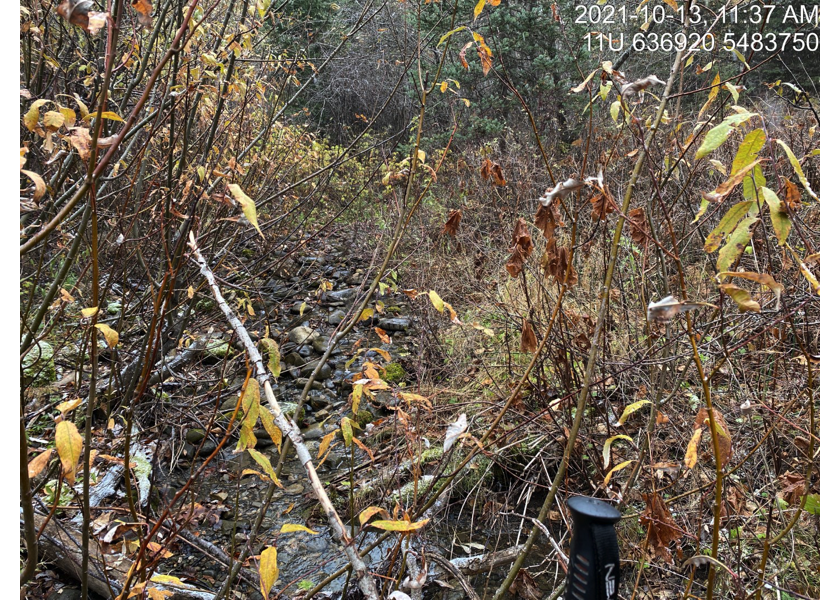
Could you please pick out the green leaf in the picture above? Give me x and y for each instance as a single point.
(347, 431)
(265, 464)
(739, 239)
(294, 527)
(741, 297)
(748, 153)
(630, 409)
(704, 205)
(798, 168)
(251, 408)
(608, 443)
(812, 504)
(717, 135)
(249, 209)
(273, 350)
(268, 570)
(727, 224)
(399, 525)
(614, 108)
(778, 215)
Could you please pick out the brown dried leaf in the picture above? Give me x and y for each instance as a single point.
(79, 138)
(547, 220)
(144, 7)
(638, 225)
(663, 530)
(602, 205)
(793, 487)
(792, 194)
(37, 464)
(521, 248)
(493, 171)
(529, 338)
(452, 223)
(723, 435)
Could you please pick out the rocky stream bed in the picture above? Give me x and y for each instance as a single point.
(305, 303)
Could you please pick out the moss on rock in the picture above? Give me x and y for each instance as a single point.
(394, 373)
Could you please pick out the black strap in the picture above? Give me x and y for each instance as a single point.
(606, 560)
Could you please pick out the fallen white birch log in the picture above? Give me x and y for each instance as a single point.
(290, 430)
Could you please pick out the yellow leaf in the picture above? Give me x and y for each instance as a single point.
(630, 409)
(367, 513)
(616, 469)
(167, 579)
(265, 465)
(111, 336)
(294, 527)
(437, 302)
(325, 443)
(156, 594)
(111, 116)
(582, 86)
(53, 120)
(89, 312)
(798, 168)
(273, 355)
(251, 410)
(478, 8)
(608, 443)
(268, 570)
(40, 186)
(249, 209)
(37, 464)
(271, 427)
(69, 405)
(399, 525)
(30, 119)
(69, 443)
(356, 397)
(691, 450)
(69, 115)
(302, 308)
(366, 314)
(190, 292)
(443, 86)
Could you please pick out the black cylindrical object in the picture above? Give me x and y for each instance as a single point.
(593, 561)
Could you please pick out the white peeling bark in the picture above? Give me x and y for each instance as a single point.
(290, 430)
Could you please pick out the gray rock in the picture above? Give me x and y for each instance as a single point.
(295, 310)
(320, 345)
(318, 401)
(194, 436)
(311, 260)
(295, 359)
(324, 373)
(395, 324)
(301, 383)
(302, 334)
(336, 317)
(340, 295)
(306, 351)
